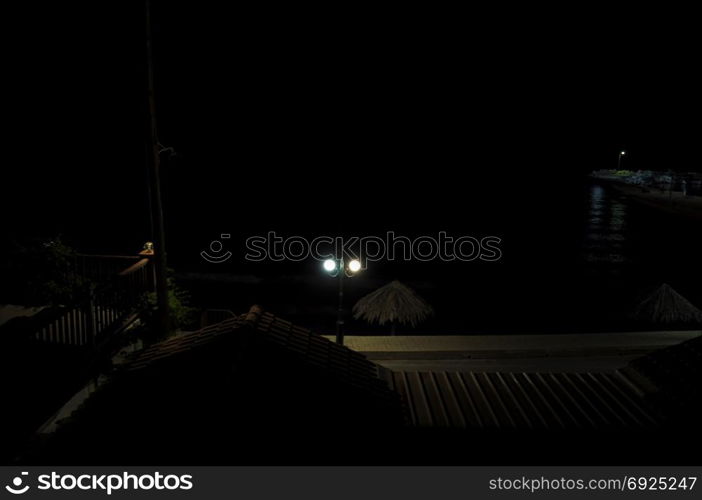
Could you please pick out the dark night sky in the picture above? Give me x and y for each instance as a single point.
(411, 118)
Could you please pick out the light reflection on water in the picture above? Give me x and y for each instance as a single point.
(605, 232)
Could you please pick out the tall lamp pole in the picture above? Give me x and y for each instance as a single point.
(153, 160)
(337, 268)
(340, 309)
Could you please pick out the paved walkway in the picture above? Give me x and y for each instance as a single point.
(582, 364)
(557, 342)
(601, 352)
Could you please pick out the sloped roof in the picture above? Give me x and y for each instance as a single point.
(169, 349)
(675, 378)
(255, 388)
(247, 389)
(337, 361)
(521, 401)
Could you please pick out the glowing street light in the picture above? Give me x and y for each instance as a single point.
(619, 159)
(355, 266)
(337, 269)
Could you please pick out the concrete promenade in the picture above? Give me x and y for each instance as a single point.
(557, 352)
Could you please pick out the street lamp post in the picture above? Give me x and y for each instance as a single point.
(619, 160)
(340, 309)
(337, 268)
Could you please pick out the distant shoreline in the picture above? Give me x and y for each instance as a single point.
(673, 203)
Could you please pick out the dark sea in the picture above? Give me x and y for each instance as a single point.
(576, 256)
(578, 262)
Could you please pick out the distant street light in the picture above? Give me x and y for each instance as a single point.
(619, 161)
(337, 268)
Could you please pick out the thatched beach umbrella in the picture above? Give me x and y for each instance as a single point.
(393, 303)
(665, 305)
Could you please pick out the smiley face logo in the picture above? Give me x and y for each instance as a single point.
(216, 247)
(16, 488)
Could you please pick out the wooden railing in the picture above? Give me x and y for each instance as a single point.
(101, 312)
(99, 268)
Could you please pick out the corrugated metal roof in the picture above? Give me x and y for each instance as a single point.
(494, 400)
(461, 399)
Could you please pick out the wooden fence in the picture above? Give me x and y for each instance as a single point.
(103, 310)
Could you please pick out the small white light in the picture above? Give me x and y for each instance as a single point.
(623, 153)
(354, 266)
(329, 265)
